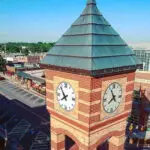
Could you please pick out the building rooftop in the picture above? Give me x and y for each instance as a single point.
(91, 44)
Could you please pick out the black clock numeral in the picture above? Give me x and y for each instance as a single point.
(120, 96)
(111, 110)
(73, 99)
(65, 107)
(104, 100)
(65, 85)
(105, 105)
(108, 110)
(114, 86)
(58, 94)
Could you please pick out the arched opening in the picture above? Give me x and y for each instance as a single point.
(70, 144)
(104, 145)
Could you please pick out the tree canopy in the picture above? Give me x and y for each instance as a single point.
(26, 48)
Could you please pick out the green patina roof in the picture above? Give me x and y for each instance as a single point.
(91, 44)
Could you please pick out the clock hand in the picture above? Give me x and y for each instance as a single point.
(65, 97)
(111, 100)
(62, 91)
(114, 97)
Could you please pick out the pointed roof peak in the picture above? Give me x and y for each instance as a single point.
(91, 47)
(91, 2)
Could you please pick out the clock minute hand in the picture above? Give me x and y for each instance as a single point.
(65, 96)
(114, 97)
(62, 91)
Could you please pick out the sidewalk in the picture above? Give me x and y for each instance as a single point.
(22, 87)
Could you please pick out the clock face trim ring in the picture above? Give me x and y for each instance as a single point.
(112, 97)
(66, 96)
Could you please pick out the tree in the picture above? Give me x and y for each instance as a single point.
(2, 64)
(25, 52)
(39, 47)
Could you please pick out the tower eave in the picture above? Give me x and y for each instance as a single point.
(94, 73)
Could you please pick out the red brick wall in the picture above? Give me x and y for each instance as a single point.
(90, 83)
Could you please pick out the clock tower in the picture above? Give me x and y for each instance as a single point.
(89, 84)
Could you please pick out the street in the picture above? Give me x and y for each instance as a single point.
(25, 117)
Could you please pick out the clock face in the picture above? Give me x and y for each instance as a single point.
(66, 96)
(112, 97)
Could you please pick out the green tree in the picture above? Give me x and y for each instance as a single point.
(13, 48)
(31, 47)
(2, 64)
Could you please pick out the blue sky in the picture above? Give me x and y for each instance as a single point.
(47, 20)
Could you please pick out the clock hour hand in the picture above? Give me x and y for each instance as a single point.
(111, 100)
(65, 97)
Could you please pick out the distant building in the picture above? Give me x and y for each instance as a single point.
(12, 57)
(21, 58)
(144, 56)
(12, 68)
(33, 80)
(142, 79)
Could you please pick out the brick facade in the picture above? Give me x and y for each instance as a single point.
(88, 121)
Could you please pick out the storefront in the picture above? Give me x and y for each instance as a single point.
(31, 82)
(39, 85)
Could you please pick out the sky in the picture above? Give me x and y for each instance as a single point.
(47, 20)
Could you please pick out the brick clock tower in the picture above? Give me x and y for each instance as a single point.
(89, 82)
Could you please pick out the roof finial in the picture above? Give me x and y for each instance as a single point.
(91, 2)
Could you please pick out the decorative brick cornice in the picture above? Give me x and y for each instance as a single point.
(94, 73)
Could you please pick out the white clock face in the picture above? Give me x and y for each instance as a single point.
(66, 96)
(112, 97)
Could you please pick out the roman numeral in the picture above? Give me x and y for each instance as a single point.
(104, 100)
(120, 96)
(65, 85)
(114, 86)
(65, 108)
(111, 110)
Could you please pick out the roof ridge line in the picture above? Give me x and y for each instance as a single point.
(91, 4)
(94, 45)
(91, 24)
(87, 14)
(120, 55)
(91, 1)
(90, 34)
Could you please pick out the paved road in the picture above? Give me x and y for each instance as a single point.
(14, 92)
(42, 141)
(27, 123)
